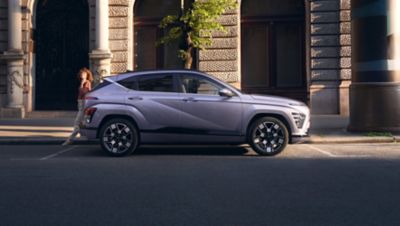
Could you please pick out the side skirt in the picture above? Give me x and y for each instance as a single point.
(162, 138)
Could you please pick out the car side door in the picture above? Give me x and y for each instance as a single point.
(204, 110)
(156, 97)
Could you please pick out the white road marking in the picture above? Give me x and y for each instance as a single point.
(58, 153)
(320, 150)
(333, 155)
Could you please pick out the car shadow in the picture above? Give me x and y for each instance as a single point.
(184, 150)
(193, 150)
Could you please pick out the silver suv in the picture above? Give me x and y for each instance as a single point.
(187, 107)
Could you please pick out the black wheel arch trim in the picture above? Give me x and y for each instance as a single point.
(273, 115)
(109, 117)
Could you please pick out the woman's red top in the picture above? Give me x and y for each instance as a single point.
(87, 86)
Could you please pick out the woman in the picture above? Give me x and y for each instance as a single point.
(86, 78)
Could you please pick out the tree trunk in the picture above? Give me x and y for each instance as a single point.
(189, 51)
(189, 58)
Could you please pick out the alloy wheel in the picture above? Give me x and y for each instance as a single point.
(269, 136)
(119, 137)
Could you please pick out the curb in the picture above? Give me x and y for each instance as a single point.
(353, 140)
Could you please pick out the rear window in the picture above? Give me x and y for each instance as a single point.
(156, 83)
(150, 83)
(101, 85)
(129, 83)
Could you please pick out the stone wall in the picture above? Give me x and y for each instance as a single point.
(221, 59)
(118, 13)
(3, 47)
(27, 48)
(345, 54)
(325, 50)
(92, 24)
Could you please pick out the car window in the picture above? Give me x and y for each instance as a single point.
(101, 85)
(130, 83)
(198, 85)
(156, 83)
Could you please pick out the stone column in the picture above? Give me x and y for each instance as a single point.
(101, 56)
(375, 88)
(15, 62)
(324, 56)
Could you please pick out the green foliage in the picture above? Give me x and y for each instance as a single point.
(195, 25)
(379, 134)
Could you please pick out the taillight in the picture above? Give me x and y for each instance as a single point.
(89, 112)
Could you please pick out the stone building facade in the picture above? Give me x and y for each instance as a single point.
(43, 43)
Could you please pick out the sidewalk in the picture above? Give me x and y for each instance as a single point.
(333, 129)
(40, 128)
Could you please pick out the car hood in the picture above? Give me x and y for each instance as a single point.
(273, 100)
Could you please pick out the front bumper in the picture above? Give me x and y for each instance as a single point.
(300, 139)
(302, 135)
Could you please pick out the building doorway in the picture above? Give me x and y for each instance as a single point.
(62, 47)
(147, 17)
(273, 48)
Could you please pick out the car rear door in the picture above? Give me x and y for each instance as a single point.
(156, 97)
(204, 111)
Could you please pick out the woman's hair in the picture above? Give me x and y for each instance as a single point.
(88, 73)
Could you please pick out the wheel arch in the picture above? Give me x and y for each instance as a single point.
(115, 116)
(273, 115)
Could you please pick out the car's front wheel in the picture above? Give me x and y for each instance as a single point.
(268, 136)
(119, 137)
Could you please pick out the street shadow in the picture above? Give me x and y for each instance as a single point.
(193, 150)
(184, 150)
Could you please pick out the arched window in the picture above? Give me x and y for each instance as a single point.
(273, 49)
(147, 17)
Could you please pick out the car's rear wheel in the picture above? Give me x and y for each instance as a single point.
(268, 136)
(119, 137)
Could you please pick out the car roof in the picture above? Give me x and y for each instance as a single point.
(129, 74)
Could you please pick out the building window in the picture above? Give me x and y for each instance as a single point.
(273, 49)
(147, 17)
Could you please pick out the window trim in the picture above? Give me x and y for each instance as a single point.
(137, 77)
(219, 84)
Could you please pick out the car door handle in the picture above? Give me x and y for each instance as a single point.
(190, 99)
(135, 98)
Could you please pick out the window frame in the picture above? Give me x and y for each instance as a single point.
(136, 78)
(199, 76)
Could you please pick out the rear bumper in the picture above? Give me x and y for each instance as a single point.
(89, 133)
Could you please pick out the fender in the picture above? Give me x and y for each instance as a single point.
(253, 110)
(108, 109)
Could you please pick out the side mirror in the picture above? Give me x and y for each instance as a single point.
(226, 93)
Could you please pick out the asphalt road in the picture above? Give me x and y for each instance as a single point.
(305, 185)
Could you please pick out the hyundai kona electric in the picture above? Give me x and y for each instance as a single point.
(187, 107)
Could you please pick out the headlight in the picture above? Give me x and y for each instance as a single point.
(299, 119)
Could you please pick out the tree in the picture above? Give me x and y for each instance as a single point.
(194, 26)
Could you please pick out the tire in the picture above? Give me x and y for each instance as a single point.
(119, 137)
(268, 136)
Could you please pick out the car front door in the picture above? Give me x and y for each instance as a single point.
(204, 111)
(156, 97)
